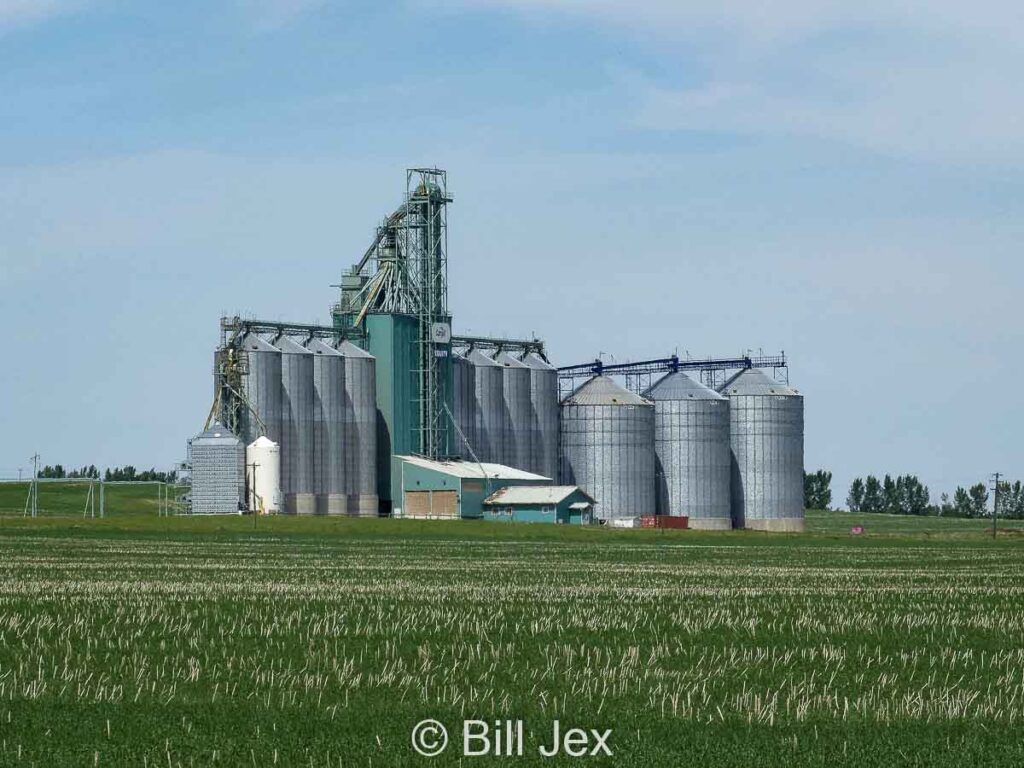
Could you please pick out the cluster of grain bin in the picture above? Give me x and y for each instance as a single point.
(311, 425)
(505, 410)
(732, 458)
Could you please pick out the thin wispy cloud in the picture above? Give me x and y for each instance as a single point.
(924, 79)
(15, 13)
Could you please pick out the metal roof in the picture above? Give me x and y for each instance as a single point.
(476, 357)
(253, 343)
(317, 347)
(473, 469)
(535, 494)
(217, 434)
(504, 358)
(348, 349)
(754, 381)
(533, 360)
(262, 442)
(601, 390)
(679, 386)
(289, 346)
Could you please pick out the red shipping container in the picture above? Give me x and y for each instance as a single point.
(664, 521)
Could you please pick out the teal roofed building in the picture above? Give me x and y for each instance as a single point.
(565, 504)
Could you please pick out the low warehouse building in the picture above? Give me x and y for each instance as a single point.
(567, 504)
(452, 489)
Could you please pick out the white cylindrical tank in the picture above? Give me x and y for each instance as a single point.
(263, 491)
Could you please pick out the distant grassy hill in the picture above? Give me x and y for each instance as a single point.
(68, 498)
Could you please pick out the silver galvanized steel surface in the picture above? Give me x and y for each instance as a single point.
(297, 436)
(361, 429)
(329, 481)
(262, 388)
(217, 458)
(544, 416)
(691, 443)
(517, 411)
(608, 448)
(464, 406)
(489, 413)
(767, 437)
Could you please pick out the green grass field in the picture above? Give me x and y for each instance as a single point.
(138, 640)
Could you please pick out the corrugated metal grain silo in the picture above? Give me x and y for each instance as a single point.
(692, 451)
(217, 458)
(328, 429)
(490, 420)
(297, 438)
(766, 425)
(608, 448)
(262, 388)
(464, 406)
(517, 411)
(544, 416)
(360, 430)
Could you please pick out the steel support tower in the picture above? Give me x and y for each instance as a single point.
(423, 237)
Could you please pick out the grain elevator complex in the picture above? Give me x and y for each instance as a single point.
(387, 412)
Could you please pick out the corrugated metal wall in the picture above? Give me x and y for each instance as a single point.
(217, 458)
(297, 437)
(767, 438)
(691, 441)
(329, 396)
(517, 412)
(360, 430)
(544, 418)
(608, 448)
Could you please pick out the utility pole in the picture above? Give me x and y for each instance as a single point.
(34, 490)
(995, 501)
(253, 507)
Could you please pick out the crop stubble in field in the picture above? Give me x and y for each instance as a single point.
(265, 650)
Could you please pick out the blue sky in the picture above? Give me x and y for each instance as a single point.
(842, 181)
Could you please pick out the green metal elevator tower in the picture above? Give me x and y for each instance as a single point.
(397, 295)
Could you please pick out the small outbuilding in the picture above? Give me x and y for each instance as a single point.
(452, 489)
(566, 504)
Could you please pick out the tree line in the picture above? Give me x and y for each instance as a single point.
(907, 495)
(127, 473)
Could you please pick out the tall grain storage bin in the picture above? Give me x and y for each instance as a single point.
(217, 458)
(516, 394)
(262, 388)
(766, 423)
(464, 407)
(692, 450)
(490, 413)
(297, 438)
(544, 408)
(608, 448)
(360, 430)
(328, 429)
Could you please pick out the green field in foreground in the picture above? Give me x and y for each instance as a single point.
(143, 641)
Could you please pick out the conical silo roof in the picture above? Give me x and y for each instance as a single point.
(754, 381)
(601, 390)
(533, 360)
(679, 386)
(504, 358)
(289, 346)
(318, 347)
(217, 434)
(253, 343)
(348, 349)
(262, 442)
(476, 357)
